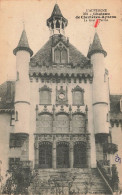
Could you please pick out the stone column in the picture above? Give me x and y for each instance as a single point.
(54, 155)
(71, 155)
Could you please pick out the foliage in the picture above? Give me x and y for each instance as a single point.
(110, 148)
(18, 180)
(115, 178)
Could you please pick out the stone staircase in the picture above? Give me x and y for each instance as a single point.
(77, 181)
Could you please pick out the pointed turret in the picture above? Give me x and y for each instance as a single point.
(23, 44)
(57, 22)
(56, 11)
(96, 47)
(100, 86)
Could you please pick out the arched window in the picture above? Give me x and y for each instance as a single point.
(60, 54)
(45, 155)
(64, 56)
(62, 25)
(62, 153)
(52, 25)
(57, 24)
(78, 96)
(78, 123)
(62, 123)
(44, 124)
(45, 95)
(80, 155)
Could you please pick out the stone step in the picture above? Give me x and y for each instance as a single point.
(83, 177)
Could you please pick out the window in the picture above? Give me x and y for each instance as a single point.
(64, 56)
(62, 123)
(121, 104)
(62, 153)
(57, 56)
(79, 155)
(78, 96)
(17, 76)
(45, 95)
(78, 123)
(13, 163)
(60, 55)
(16, 116)
(44, 124)
(45, 155)
(57, 24)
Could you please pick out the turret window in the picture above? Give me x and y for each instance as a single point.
(57, 24)
(16, 116)
(17, 76)
(121, 104)
(45, 95)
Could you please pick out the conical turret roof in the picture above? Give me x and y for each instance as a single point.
(96, 46)
(56, 14)
(56, 11)
(23, 44)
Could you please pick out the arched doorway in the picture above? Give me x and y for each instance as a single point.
(80, 160)
(62, 153)
(45, 155)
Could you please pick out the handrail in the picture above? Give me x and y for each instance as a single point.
(104, 176)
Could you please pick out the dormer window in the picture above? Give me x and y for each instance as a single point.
(60, 54)
(78, 96)
(45, 95)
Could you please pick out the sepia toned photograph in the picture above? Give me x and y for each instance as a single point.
(60, 97)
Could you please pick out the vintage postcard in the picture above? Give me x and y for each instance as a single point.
(60, 97)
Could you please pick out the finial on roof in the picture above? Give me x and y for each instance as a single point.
(23, 44)
(23, 24)
(96, 46)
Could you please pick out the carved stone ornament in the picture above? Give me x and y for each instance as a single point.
(61, 96)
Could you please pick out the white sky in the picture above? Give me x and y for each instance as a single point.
(35, 13)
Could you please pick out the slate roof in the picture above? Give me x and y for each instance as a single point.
(44, 55)
(56, 11)
(96, 46)
(23, 44)
(7, 91)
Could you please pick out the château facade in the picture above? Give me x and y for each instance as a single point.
(58, 116)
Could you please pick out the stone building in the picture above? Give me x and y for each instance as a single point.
(58, 116)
